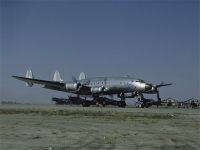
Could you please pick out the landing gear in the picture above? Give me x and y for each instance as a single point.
(86, 103)
(103, 103)
(122, 103)
(149, 102)
(141, 99)
(99, 101)
(145, 105)
(158, 98)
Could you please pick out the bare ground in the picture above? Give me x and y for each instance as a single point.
(49, 127)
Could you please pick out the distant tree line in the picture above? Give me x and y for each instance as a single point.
(12, 102)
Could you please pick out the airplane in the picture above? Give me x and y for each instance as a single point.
(97, 87)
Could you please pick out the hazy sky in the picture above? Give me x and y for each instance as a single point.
(153, 40)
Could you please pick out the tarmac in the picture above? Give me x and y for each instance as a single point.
(51, 127)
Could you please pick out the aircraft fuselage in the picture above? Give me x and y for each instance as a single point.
(113, 85)
(123, 87)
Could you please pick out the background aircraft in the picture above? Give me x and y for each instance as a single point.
(98, 87)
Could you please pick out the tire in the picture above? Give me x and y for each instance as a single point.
(122, 104)
(85, 104)
(104, 104)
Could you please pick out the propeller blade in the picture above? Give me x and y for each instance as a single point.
(161, 85)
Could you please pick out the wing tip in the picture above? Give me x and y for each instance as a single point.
(14, 76)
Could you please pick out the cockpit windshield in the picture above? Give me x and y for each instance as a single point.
(140, 80)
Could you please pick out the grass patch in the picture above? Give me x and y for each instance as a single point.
(89, 113)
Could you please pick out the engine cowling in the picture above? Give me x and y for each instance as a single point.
(97, 89)
(72, 86)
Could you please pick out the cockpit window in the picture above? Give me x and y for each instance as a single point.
(142, 81)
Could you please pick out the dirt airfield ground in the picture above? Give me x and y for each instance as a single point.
(49, 127)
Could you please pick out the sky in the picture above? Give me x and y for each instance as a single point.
(149, 39)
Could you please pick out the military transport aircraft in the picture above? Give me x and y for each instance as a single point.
(98, 87)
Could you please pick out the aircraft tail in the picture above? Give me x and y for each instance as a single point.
(57, 77)
(29, 75)
(82, 76)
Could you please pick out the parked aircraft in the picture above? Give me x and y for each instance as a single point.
(98, 87)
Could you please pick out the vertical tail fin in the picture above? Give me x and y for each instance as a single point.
(57, 77)
(82, 76)
(29, 75)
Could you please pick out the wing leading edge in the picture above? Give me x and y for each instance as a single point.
(55, 85)
(47, 84)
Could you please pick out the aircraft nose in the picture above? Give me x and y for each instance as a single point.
(148, 87)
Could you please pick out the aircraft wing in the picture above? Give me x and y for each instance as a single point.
(54, 85)
(47, 84)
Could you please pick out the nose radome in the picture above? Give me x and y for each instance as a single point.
(148, 87)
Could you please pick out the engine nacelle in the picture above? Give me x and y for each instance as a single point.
(71, 86)
(97, 89)
(139, 86)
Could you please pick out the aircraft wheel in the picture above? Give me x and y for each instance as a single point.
(85, 104)
(119, 104)
(142, 105)
(104, 104)
(122, 104)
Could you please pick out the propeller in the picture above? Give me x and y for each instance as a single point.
(162, 84)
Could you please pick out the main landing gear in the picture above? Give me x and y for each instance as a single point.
(122, 102)
(86, 103)
(149, 102)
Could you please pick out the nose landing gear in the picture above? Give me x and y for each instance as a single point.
(149, 102)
